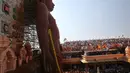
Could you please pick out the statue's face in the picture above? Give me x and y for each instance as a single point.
(50, 5)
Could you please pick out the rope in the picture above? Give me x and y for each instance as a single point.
(52, 42)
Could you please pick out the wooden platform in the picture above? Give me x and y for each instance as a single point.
(71, 61)
(95, 59)
(105, 58)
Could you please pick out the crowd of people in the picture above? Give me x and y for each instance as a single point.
(106, 68)
(94, 45)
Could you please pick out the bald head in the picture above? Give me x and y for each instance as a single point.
(27, 45)
(49, 3)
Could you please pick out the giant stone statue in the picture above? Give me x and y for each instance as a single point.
(44, 21)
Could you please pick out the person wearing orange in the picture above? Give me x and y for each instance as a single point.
(99, 46)
(104, 46)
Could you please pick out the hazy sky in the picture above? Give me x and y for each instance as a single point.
(88, 19)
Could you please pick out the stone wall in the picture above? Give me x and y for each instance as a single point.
(11, 33)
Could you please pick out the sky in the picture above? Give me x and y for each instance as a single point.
(92, 19)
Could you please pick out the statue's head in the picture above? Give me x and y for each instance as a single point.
(27, 45)
(50, 5)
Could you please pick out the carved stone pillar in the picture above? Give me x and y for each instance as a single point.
(14, 65)
(1, 67)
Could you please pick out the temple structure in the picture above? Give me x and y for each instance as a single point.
(27, 26)
(12, 50)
